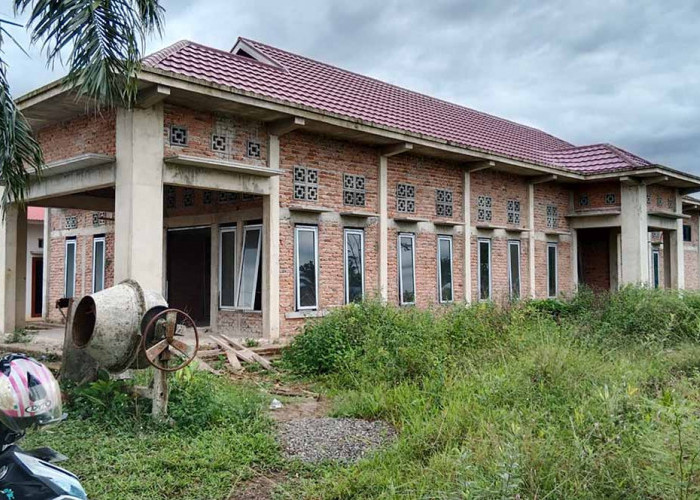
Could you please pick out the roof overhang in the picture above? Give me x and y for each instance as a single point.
(54, 102)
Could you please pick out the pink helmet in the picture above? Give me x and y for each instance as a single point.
(29, 393)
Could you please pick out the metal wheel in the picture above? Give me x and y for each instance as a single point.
(167, 353)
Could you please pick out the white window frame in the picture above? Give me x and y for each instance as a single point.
(510, 272)
(656, 273)
(69, 241)
(297, 298)
(556, 270)
(240, 267)
(222, 230)
(439, 270)
(413, 253)
(478, 269)
(95, 241)
(361, 233)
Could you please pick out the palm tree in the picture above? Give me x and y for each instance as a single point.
(100, 41)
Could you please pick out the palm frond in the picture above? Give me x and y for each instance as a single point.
(102, 40)
(20, 153)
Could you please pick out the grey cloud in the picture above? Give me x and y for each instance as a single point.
(625, 72)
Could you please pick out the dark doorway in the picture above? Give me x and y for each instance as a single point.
(37, 286)
(189, 272)
(594, 258)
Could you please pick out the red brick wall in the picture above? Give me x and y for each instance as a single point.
(427, 175)
(501, 187)
(84, 235)
(200, 127)
(661, 199)
(692, 281)
(597, 195)
(94, 133)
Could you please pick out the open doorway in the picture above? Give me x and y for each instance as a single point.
(37, 285)
(189, 272)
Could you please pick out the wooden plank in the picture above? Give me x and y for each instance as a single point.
(230, 355)
(204, 366)
(247, 353)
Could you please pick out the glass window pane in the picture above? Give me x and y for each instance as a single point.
(445, 246)
(552, 270)
(514, 267)
(484, 270)
(249, 268)
(354, 268)
(70, 268)
(408, 288)
(98, 265)
(227, 249)
(306, 267)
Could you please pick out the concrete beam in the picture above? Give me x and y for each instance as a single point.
(543, 179)
(480, 165)
(152, 96)
(78, 201)
(76, 181)
(285, 126)
(654, 180)
(396, 149)
(217, 180)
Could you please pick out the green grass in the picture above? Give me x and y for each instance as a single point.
(597, 397)
(219, 436)
(533, 401)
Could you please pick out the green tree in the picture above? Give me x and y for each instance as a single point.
(100, 41)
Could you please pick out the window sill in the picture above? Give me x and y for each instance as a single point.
(358, 214)
(446, 222)
(305, 314)
(410, 220)
(309, 209)
(239, 309)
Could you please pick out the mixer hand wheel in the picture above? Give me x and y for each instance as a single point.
(168, 353)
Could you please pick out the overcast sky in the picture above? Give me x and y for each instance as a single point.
(621, 72)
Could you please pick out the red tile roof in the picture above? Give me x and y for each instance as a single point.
(301, 81)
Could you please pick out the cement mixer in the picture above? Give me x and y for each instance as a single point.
(127, 327)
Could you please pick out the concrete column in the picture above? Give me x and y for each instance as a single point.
(383, 257)
(270, 245)
(613, 252)
(574, 259)
(138, 224)
(46, 257)
(668, 262)
(678, 260)
(13, 254)
(467, 217)
(214, 274)
(531, 237)
(635, 254)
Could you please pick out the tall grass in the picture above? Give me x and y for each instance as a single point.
(598, 397)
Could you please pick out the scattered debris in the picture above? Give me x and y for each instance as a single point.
(341, 439)
(276, 404)
(236, 351)
(295, 393)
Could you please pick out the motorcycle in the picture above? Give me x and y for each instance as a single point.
(30, 397)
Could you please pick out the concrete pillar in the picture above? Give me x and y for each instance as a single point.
(13, 255)
(138, 217)
(270, 245)
(635, 254)
(47, 258)
(214, 275)
(574, 259)
(678, 260)
(383, 257)
(613, 252)
(668, 262)
(531, 237)
(467, 217)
